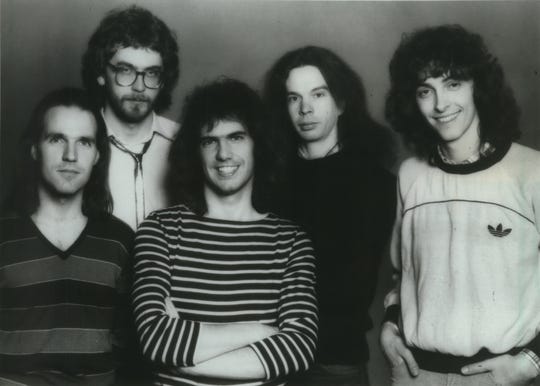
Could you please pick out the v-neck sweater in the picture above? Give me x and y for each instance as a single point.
(61, 310)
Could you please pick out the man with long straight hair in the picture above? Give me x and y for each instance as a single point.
(64, 282)
(339, 193)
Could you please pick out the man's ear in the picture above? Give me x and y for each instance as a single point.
(341, 107)
(96, 159)
(101, 80)
(33, 152)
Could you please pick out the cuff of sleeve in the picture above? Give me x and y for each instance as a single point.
(191, 344)
(531, 356)
(392, 314)
(257, 346)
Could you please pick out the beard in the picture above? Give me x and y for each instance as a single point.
(131, 108)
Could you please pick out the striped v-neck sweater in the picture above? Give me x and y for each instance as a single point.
(62, 313)
(223, 271)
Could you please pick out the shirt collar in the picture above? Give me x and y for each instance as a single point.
(485, 150)
(155, 128)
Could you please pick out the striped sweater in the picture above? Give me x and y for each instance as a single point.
(61, 312)
(223, 271)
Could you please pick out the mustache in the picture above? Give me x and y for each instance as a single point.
(136, 98)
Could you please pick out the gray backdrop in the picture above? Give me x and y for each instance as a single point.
(42, 42)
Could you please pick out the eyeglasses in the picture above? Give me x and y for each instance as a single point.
(125, 76)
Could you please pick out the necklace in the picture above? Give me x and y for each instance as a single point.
(334, 149)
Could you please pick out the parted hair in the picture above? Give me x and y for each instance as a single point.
(96, 196)
(356, 128)
(131, 27)
(222, 100)
(452, 51)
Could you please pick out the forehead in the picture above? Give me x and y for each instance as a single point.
(305, 78)
(70, 121)
(435, 81)
(223, 128)
(137, 57)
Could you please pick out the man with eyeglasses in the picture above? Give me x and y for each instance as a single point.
(131, 67)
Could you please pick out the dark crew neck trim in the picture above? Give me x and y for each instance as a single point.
(482, 164)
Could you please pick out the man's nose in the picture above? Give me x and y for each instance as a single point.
(441, 101)
(70, 152)
(223, 151)
(138, 85)
(305, 107)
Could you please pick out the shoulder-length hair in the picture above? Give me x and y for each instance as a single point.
(96, 197)
(221, 100)
(356, 128)
(452, 51)
(131, 27)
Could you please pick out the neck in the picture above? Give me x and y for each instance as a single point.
(235, 207)
(464, 147)
(58, 209)
(321, 148)
(127, 132)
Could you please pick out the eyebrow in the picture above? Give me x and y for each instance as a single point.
(122, 63)
(318, 88)
(237, 132)
(60, 135)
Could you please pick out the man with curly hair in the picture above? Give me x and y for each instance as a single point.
(131, 67)
(224, 291)
(465, 308)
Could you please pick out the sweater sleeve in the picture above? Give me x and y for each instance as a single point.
(533, 187)
(164, 339)
(293, 348)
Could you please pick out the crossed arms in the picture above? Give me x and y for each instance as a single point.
(238, 350)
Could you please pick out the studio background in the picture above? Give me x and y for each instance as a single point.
(42, 42)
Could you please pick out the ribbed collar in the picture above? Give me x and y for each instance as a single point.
(484, 162)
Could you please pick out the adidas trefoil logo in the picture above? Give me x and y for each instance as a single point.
(499, 231)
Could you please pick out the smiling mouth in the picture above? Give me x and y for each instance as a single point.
(227, 171)
(447, 118)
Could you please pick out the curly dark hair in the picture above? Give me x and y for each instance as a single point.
(207, 105)
(131, 27)
(97, 200)
(356, 128)
(449, 50)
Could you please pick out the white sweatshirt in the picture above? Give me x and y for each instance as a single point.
(467, 247)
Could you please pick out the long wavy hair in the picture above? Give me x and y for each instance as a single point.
(356, 128)
(449, 50)
(96, 197)
(131, 27)
(221, 100)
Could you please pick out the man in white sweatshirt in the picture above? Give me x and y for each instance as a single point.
(466, 306)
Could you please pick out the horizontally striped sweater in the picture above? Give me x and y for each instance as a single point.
(62, 312)
(223, 271)
(466, 242)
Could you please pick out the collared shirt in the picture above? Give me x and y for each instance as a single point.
(485, 149)
(137, 171)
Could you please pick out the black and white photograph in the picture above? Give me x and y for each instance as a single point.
(269, 192)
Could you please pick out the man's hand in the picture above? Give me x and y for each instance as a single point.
(505, 369)
(394, 348)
